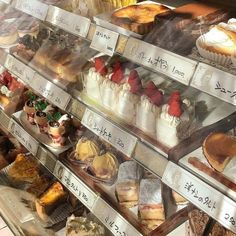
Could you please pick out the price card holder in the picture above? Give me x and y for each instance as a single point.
(104, 40)
(70, 22)
(77, 108)
(23, 137)
(208, 199)
(113, 220)
(51, 92)
(33, 7)
(5, 120)
(75, 185)
(120, 139)
(160, 60)
(18, 68)
(215, 82)
(47, 159)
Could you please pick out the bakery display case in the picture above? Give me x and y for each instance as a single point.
(117, 117)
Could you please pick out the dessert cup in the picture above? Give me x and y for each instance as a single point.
(41, 121)
(56, 132)
(30, 111)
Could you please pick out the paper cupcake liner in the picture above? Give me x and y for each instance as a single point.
(216, 57)
(233, 59)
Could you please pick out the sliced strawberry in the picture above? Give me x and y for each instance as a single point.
(6, 78)
(175, 109)
(14, 85)
(157, 98)
(118, 76)
(100, 66)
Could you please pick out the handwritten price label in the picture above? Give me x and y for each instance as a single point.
(121, 140)
(158, 59)
(70, 22)
(18, 68)
(23, 137)
(113, 220)
(75, 185)
(51, 92)
(33, 7)
(104, 40)
(208, 199)
(215, 82)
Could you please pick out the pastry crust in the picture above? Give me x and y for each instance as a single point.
(219, 149)
(137, 18)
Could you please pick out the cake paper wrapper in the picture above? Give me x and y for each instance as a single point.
(150, 192)
(129, 170)
(212, 56)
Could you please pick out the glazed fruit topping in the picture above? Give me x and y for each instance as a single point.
(157, 98)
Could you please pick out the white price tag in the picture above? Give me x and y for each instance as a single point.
(33, 7)
(6, 1)
(50, 91)
(158, 59)
(18, 68)
(70, 22)
(24, 138)
(104, 40)
(120, 139)
(215, 82)
(113, 220)
(208, 199)
(75, 185)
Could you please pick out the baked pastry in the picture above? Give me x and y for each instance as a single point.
(197, 222)
(151, 224)
(39, 186)
(8, 33)
(128, 193)
(82, 226)
(49, 200)
(86, 150)
(23, 169)
(178, 198)
(138, 18)
(105, 166)
(219, 149)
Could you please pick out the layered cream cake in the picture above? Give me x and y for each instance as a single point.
(169, 119)
(148, 109)
(94, 79)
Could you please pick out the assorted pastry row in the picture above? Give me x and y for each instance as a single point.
(15, 25)
(132, 187)
(125, 93)
(50, 120)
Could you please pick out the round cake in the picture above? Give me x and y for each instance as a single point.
(138, 18)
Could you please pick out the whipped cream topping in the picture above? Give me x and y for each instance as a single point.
(147, 105)
(64, 118)
(6, 91)
(232, 21)
(216, 36)
(171, 120)
(229, 27)
(95, 75)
